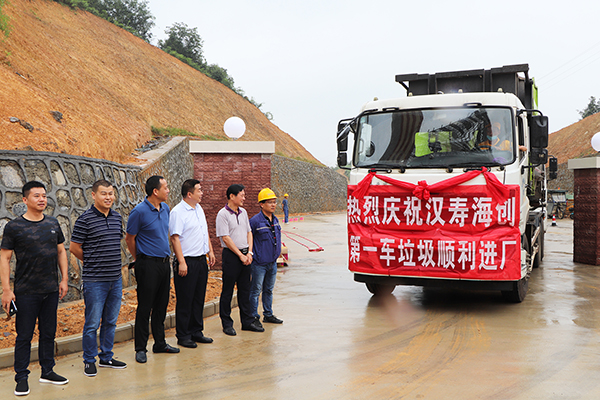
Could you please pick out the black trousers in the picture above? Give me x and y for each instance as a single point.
(235, 272)
(153, 277)
(190, 291)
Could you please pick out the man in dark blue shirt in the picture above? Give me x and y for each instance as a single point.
(37, 241)
(96, 241)
(148, 241)
(266, 236)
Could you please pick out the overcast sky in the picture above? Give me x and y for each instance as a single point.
(312, 63)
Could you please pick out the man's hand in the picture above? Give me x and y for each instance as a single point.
(211, 259)
(182, 269)
(7, 296)
(63, 288)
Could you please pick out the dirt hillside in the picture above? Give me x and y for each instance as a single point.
(573, 141)
(110, 87)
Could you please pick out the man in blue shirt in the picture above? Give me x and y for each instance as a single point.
(266, 236)
(148, 242)
(96, 241)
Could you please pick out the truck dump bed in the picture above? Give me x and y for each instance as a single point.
(509, 78)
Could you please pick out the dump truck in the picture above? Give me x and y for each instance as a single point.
(447, 185)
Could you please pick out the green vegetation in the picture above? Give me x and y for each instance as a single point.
(4, 20)
(592, 108)
(181, 132)
(132, 15)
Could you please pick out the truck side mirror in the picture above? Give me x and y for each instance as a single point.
(344, 129)
(538, 131)
(342, 160)
(553, 168)
(538, 156)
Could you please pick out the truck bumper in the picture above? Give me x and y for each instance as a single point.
(463, 284)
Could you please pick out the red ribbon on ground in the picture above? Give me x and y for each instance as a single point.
(422, 190)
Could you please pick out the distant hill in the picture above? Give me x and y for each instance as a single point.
(574, 141)
(110, 87)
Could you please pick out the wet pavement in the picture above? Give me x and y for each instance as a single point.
(338, 342)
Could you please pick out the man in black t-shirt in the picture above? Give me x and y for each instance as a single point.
(37, 241)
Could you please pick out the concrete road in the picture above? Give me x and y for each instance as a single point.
(338, 342)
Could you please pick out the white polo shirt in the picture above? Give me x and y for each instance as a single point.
(190, 224)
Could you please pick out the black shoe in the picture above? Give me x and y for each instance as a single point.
(257, 322)
(53, 378)
(272, 319)
(22, 388)
(89, 369)
(167, 349)
(140, 356)
(189, 343)
(112, 363)
(229, 331)
(254, 327)
(201, 338)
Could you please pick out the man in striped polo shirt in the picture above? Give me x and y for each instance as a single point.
(96, 241)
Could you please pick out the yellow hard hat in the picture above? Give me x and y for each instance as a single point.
(286, 195)
(266, 194)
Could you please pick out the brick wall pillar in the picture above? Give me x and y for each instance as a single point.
(586, 232)
(220, 164)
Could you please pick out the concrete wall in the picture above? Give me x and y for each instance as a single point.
(312, 188)
(68, 181)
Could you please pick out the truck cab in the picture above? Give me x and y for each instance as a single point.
(449, 126)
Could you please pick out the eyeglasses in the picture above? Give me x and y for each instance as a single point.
(271, 202)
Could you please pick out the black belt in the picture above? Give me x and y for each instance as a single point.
(161, 259)
(195, 257)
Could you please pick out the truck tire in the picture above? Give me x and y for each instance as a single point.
(379, 289)
(540, 254)
(520, 287)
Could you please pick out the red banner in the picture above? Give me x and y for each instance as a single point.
(442, 230)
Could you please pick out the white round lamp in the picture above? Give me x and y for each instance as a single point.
(234, 127)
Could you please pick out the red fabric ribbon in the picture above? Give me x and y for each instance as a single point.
(423, 191)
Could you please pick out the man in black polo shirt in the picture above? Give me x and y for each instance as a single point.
(37, 241)
(96, 241)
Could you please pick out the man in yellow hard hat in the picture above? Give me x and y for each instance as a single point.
(266, 236)
(286, 208)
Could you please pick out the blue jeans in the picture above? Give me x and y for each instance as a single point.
(32, 307)
(102, 302)
(263, 280)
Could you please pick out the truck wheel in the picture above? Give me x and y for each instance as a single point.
(560, 213)
(540, 254)
(379, 289)
(520, 287)
(519, 291)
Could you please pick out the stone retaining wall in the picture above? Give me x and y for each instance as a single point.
(68, 181)
(312, 188)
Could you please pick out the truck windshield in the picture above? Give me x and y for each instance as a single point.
(434, 138)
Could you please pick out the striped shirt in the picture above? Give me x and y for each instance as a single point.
(100, 239)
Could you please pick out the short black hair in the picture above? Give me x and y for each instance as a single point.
(30, 185)
(153, 183)
(234, 189)
(188, 187)
(100, 182)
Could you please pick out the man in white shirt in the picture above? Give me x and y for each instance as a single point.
(192, 248)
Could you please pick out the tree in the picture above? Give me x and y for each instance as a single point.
(592, 108)
(185, 41)
(132, 15)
